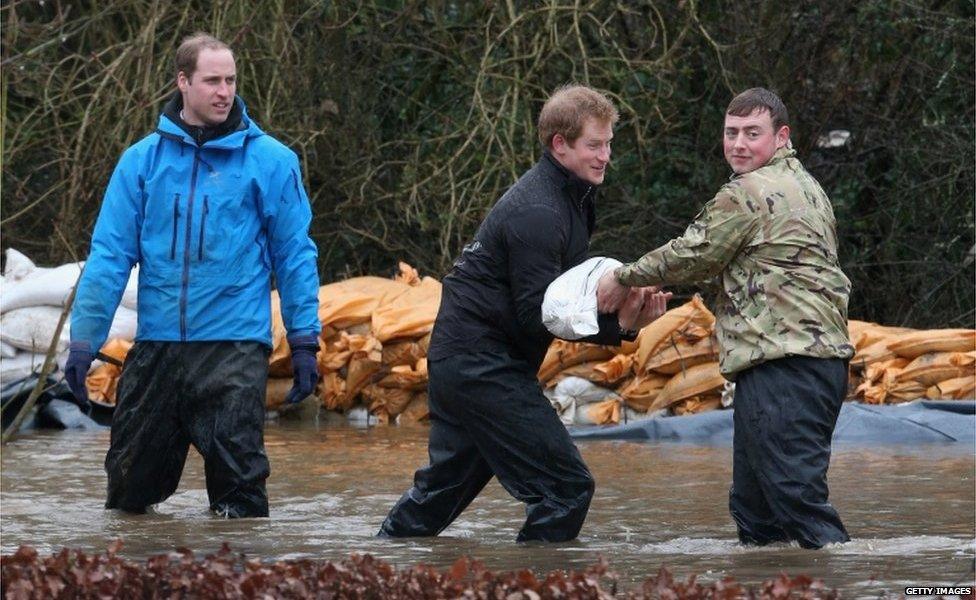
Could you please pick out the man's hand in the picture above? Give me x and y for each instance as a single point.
(641, 307)
(80, 358)
(610, 293)
(306, 368)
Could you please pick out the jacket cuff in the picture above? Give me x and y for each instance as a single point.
(609, 334)
(80, 346)
(303, 341)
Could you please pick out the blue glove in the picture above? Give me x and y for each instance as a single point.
(80, 358)
(306, 368)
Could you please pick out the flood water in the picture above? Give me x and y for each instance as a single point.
(910, 510)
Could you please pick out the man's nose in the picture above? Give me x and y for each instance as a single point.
(605, 154)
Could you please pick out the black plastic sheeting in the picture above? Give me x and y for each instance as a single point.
(919, 422)
(55, 408)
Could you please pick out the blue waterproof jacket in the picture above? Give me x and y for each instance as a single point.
(207, 225)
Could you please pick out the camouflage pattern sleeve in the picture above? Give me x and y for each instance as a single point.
(717, 234)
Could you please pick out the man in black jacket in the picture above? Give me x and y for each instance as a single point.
(487, 410)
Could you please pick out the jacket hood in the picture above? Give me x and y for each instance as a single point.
(234, 138)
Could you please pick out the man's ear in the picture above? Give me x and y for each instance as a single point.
(182, 81)
(782, 136)
(559, 144)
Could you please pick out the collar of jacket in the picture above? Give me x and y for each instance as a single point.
(581, 192)
(778, 157)
(231, 134)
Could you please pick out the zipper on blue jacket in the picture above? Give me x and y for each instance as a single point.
(176, 220)
(186, 244)
(203, 224)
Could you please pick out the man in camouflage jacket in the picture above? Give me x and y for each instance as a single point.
(781, 322)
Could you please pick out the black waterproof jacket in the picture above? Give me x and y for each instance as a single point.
(492, 298)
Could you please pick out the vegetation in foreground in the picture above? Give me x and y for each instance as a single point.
(180, 574)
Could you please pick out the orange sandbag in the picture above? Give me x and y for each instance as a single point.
(411, 314)
(688, 323)
(871, 388)
(332, 391)
(697, 404)
(625, 347)
(340, 389)
(606, 412)
(697, 381)
(353, 301)
(929, 369)
(405, 377)
(391, 401)
(641, 391)
(875, 372)
(611, 372)
(890, 390)
(276, 391)
(865, 333)
(360, 374)
(335, 354)
(674, 357)
(562, 355)
(402, 353)
(331, 359)
(102, 383)
(360, 346)
(424, 344)
(876, 352)
(960, 388)
(904, 391)
(407, 274)
(917, 343)
(416, 411)
(117, 348)
(586, 370)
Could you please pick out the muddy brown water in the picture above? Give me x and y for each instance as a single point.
(910, 510)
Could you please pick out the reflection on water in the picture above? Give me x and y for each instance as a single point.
(909, 510)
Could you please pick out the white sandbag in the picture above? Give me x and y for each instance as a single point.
(32, 328)
(123, 324)
(573, 393)
(42, 287)
(7, 351)
(130, 297)
(569, 306)
(583, 391)
(18, 266)
(20, 366)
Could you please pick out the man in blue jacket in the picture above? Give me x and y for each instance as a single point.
(488, 414)
(209, 206)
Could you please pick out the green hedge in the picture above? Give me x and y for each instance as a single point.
(411, 118)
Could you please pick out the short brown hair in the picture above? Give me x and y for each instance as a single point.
(566, 111)
(189, 51)
(760, 99)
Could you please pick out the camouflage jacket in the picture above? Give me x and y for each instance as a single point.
(771, 235)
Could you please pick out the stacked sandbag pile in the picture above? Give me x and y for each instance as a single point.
(373, 347)
(671, 368)
(32, 299)
(375, 334)
(898, 365)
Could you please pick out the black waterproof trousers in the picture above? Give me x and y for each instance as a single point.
(171, 395)
(489, 417)
(785, 413)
